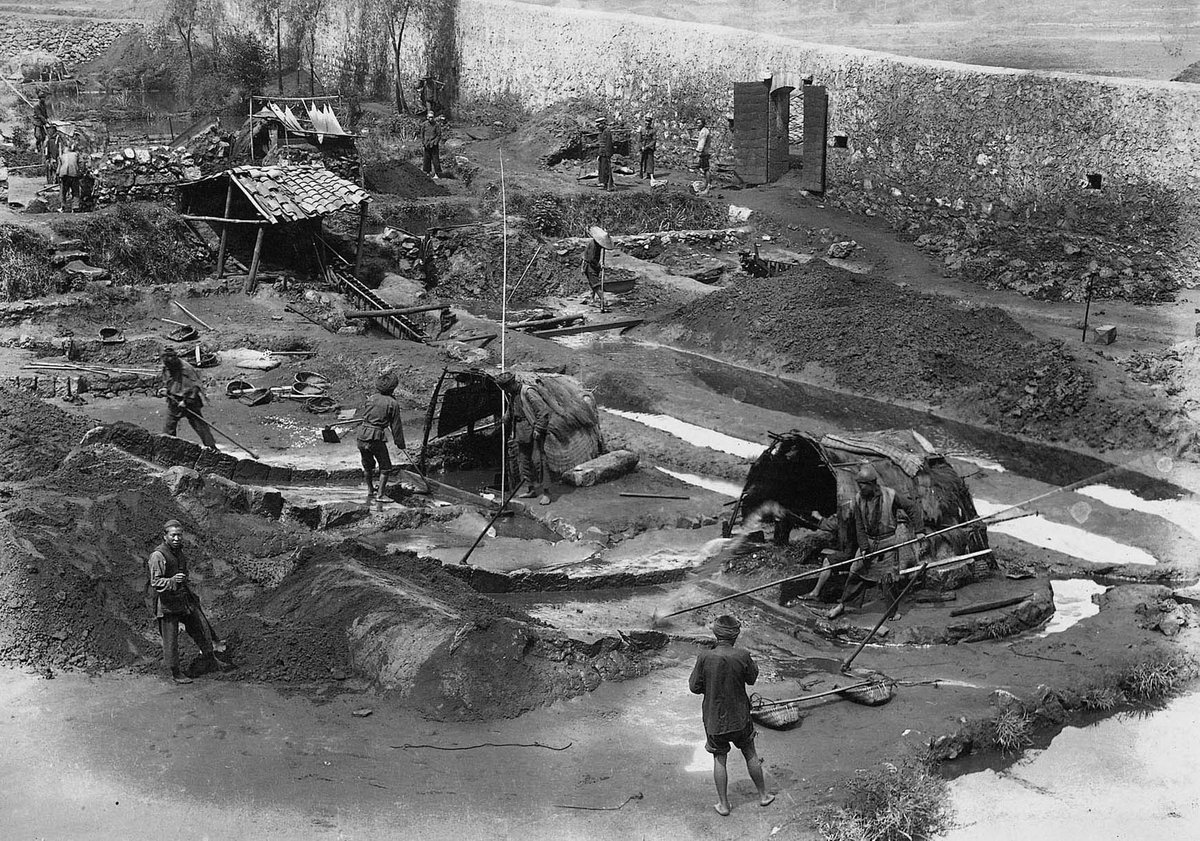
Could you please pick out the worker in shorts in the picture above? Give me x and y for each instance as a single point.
(382, 413)
(721, 675)
(704, 154)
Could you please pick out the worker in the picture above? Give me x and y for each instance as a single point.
(68, 175)
(382, 414)
(185, 397)
(837, 540)
(882, 518)
(431, 141)
(703, 154)
(592, 261)
(3, 181)
(427, 90)
(528, 422)
(604, 162)
(721, 675)
(176, 604)
(41, 120)
(647, 144)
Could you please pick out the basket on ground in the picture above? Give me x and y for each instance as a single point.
(776, 714)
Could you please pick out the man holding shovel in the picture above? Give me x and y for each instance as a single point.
(721, 675)
(382, 413)
(185, 397)
(175, 604)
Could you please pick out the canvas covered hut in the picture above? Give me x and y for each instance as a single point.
(462, 423)
(804, 474)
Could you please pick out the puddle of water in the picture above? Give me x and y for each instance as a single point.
(1069, 540)
(1125, 777)
(699, 436)
(1182, 513)
(1073, 602)
(721, 486)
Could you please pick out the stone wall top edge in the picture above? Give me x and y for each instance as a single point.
(832, 52)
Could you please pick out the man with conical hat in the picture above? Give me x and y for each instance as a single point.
(593, 256)
(882, 517)
(721, 675)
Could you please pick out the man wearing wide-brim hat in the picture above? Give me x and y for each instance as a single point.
(604, 164)
(593, 256)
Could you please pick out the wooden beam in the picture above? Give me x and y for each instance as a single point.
(225, 220)
(398, 311)
(252, 280)
(224, 230)
(362, 229)
(623, 324)
(545, 323)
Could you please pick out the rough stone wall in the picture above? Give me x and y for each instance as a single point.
(923, 139)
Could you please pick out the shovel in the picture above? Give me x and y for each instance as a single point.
(330, 435)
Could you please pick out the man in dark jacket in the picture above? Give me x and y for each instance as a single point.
(431, 143)
(647, 143)
(174, 603)
(721, 675)
(185, 398)
(528, 418)
(604, 164)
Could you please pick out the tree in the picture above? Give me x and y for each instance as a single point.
(303, 17)
(396, 18)
(181, 14)
(211, 15)
(270, 16)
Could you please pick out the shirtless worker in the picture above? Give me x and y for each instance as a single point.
(175, 604)
(882, 518)
(721, 675)
(382, 413)
(185, 397)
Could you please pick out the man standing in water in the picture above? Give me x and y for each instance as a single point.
(721, 675)
(382, 413)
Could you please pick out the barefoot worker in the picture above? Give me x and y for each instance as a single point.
(174, 602)
(185, 397)
(382, 413)
(721, 675)
(592, 263)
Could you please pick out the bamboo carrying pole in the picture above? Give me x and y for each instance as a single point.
(219, 431)
(815, 572)
(887, 614)
(193, 316)
(816, 695)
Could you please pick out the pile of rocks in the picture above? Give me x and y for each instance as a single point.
(148, 174)
(73, 42)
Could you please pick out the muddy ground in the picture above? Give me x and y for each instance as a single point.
(542, 638)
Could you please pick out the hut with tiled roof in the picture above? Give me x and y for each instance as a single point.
(282, 205)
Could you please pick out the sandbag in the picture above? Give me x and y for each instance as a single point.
(603, 468)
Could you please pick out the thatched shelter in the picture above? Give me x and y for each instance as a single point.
(804, 474)
(467, 405)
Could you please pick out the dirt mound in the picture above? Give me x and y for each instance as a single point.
(35, 436)
(400, 178)
(879, 339)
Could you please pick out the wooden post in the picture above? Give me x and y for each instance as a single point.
(362, 229)
(252, 280)
(224, 230)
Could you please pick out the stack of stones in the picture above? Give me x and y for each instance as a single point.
(148, 174)
(73, 42)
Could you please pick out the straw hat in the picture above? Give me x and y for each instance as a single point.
(600, 236)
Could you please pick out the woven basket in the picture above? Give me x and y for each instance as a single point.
(771, 714)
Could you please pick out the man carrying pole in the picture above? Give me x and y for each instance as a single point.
(176, 604)
(185, 398)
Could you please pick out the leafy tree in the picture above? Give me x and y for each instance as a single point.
(270, 15)
(396, 13)
(181, 14)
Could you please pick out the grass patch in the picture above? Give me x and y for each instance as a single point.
(139, 244)
(895, 802)
(1156, 680)
(1012, 730)
(618, 213)
(25, 270)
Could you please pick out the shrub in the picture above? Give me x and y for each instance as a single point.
(245, 59)
(1155, 680)
(25, 271)
(903, 802)
(139, 243)
(1012, 730)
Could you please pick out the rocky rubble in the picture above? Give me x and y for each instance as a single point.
(74, 41)
(148, 174)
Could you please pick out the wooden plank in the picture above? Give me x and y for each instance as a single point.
(816, 123)
(623, 324)
(397, 311)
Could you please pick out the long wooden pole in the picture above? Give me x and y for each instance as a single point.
(362, 230)
(219, 431)
(193, 316)
(503, 334)
(817, 695)
(252, 280)
(887, 614)
(396, 311)
(224, 231)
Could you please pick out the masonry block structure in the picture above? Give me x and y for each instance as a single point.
(1112, 160)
